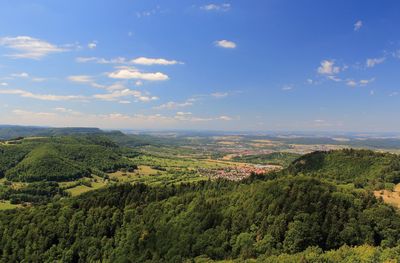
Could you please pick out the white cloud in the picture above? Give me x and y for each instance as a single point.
(225, 118)
(92, 45)
(371, 62)
(65, 110)
(328, 68)
(154, 61)
(216, 7)
(393, 94)
(20, 75)
(80, 78)
(358, 25)
(174, 105)
(351, 83)
(33, 114)
(362, 82)
(29, 47)
(334, 78)
(225, 44)
(287, 87)
(65, 117)
(117, 94)
(117, 60)
(3, 84)
(48, 97)
(132, 73)
(219, 95)
(365, 82)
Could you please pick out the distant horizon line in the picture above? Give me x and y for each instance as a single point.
(241, 132)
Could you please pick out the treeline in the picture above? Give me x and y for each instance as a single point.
(215, 220)
(276, 158)
(34, 193)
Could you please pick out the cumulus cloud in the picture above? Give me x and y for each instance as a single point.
(133, 73)
(328, 68)
(216, 7)
(29, 47)
(225, 44)
(358, 25)
(371, 62)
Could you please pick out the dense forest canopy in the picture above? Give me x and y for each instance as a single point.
(217, 220)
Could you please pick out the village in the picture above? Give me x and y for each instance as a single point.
(237, 173)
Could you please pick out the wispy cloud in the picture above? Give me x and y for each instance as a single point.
(174, 105)
(372, 62)
(362, 82)
(216, 7)
(48, 97)
(358, 25)
(154, 61)
(225, 44)
(287, 87)
(118, 60)
(118, 94)
(80, 78)
(219, 95)
(29, 47)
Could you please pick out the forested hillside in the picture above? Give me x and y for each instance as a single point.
(215, 220)
(364, 168)
(32, 169)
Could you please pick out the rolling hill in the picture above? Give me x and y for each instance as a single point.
(364, 168)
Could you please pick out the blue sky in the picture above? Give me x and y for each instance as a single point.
(210, 65)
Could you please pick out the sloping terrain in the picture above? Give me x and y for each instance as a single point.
(361, 167)
(216, 220)
(60, 158)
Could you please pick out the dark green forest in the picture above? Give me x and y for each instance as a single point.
(215, 220)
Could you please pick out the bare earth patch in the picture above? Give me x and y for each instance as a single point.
(390, 197)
